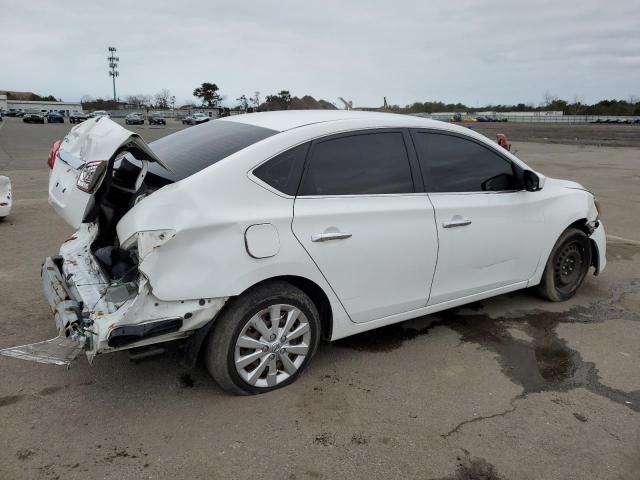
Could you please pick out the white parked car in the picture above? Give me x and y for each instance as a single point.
(100, 113)
(257, 235)
(5, 197)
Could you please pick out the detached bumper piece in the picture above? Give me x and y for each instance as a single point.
(64, 348)
(57, 351)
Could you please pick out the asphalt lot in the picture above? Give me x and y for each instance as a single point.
(509, 388)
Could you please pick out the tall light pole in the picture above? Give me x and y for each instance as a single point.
(113, 65)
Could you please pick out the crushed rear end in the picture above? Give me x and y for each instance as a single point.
(100, 301)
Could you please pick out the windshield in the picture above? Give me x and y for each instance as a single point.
(193, 149)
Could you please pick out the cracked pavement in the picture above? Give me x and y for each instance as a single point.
(511, 388)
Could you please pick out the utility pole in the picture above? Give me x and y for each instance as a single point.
(113, 65)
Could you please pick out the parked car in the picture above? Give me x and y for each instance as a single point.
(13, 113)
(5, 197)
(55, 117)
(134, 119)
(77, 117)
(195, 119)
(223, 112)
(100, 113)
(254, 236)
(156, 119)
(33, 116)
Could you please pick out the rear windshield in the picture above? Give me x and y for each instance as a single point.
(196, 148)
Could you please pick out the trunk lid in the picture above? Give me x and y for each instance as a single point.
(95, 142)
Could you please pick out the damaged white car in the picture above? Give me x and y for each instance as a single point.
(5, 197)
(257, 235)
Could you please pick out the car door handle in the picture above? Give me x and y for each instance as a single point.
(323, 237)
(456, 221)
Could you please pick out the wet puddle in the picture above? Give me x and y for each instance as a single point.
(528, 348)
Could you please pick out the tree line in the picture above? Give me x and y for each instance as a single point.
(551, 103)
(210, 96)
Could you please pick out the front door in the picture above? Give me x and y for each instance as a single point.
(490, 230)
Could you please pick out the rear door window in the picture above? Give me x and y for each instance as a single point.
(451, 163)
(361, 164)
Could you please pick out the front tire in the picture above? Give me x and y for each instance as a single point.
(567, 266)
(263, 340)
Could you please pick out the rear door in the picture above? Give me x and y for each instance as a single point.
(82, 161)
(490, 229)
(360, 218)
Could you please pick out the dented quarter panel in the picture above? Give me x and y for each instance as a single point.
(86, 283)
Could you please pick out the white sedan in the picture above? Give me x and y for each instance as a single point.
(257, 235)
(5, 197)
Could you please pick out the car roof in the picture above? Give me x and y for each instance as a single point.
(289, 119)
(337, 121)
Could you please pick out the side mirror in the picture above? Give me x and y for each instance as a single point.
(532, 182)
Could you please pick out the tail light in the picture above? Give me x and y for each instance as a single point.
(91, 175)
(53, 154)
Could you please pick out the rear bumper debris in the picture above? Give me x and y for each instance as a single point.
(60, 350)
(97, 315)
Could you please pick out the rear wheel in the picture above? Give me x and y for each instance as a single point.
(263, 340)
(567, 266)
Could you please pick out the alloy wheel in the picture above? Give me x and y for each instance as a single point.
(272, 345)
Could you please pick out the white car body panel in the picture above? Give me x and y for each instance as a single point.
(222, 230)
(500, 247)
(6, 200)
(386, 266)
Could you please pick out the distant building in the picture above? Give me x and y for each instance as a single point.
(7, 105)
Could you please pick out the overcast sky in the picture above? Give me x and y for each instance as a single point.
(475, 52)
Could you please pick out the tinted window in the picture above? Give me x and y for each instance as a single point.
(359, 164)
(196, 148)
(454, 164)
(283, 172)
